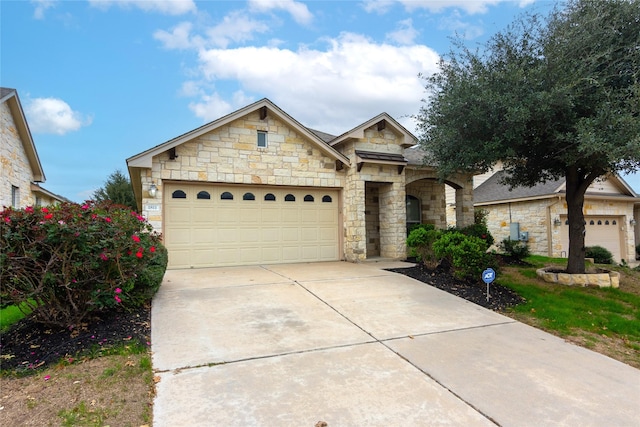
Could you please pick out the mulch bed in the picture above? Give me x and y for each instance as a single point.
(500, 297)
(28, 345)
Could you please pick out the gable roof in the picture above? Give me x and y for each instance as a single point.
(493, 191)
(382, 120)
(144, 159)
(10, 96)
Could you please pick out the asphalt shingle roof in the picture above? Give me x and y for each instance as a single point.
(492, 190)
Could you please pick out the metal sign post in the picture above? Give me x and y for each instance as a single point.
(488, 276)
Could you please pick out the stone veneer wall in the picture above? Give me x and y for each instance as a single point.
(15, 168)
(536, 217)
(230, 155)
(431, 194)
(372, 220)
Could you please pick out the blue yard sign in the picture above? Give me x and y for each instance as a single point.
(488, 276)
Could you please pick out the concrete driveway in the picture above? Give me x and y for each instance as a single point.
(354, 345)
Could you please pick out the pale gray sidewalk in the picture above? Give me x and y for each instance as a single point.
(354, 345)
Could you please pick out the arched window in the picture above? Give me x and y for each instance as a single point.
(289, 198)
(204, 195)
(591, 222)
(606, 222)
(269, 197)
(248, 196)
(614, 222)
(226, 196)
(178, 194)
(326, 199)
(308, 198)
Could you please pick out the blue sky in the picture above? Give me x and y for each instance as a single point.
(103, 80)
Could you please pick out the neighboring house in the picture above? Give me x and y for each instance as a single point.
(256, 186)
(539, 214)
(20, 168)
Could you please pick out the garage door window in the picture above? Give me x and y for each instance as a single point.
(326, 199)
(289, 198)
(203, 195)
(178, 194)
(308, 198)
(248, 196)
(226, 196)
(269, 197)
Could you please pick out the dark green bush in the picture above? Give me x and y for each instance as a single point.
(466, 254)
(515, 248)
(67, 261)
(420, 243)
(599, 254)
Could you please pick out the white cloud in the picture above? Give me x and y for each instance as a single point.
(436, 6)
(178, 38)
(52, 115)
(333, 90)
(298, 11)
(455, 23)
(167, 7)
(235, 27)
(405, 34)
(41, 7)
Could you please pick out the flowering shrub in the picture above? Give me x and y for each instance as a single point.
(67, 261)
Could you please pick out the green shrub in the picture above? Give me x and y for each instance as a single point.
(466, 254)
(67, 261)
(515, 248)
(420, 242)
(599, 254)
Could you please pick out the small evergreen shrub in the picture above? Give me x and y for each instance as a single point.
(68, 261)
(420, 242)
(599, 254)
(515, 248)
(467, 255)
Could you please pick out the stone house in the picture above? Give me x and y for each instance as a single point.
(257, 187)
(539, 214)
(21, 172)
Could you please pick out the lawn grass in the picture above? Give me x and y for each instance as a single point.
(584, 312)
(11, 314)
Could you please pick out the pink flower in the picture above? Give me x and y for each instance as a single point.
(107, 219)
(152, 249)
(47, 377)
(28, 209)
(117, 298)
(139, 254)
(136, 238)
(118, 291)
(7, 219)
(85, 207)
(48, 216)
(45, 210)
(61, 222)
(104, 257)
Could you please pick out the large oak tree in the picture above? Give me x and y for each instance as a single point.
(550, 97)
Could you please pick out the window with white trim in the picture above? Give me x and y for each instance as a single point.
(15, 196)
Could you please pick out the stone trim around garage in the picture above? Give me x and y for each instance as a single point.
(602, 279)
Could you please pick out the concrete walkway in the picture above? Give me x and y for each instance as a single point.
(354, 345)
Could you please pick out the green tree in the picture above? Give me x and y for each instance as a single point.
(549, 98)
(118, 190)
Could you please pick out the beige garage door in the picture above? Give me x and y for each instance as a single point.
(224, 225)
(601, 231)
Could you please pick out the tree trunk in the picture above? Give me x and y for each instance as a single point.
(576, 187)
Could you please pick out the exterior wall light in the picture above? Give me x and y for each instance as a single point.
(632, 222)
(557, 222)
(153, 190)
